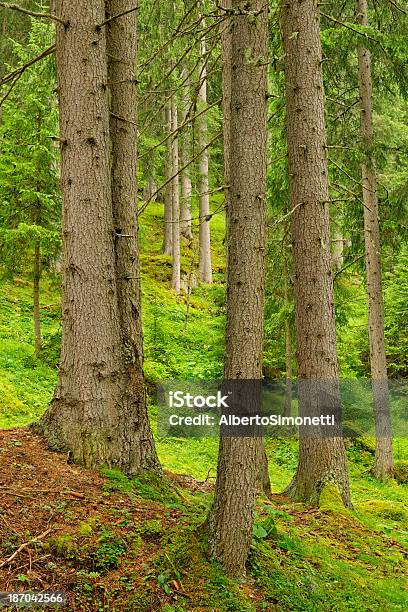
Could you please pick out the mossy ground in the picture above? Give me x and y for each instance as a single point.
(137, 547)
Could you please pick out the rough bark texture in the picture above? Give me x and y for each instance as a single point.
(92, 414)
(204, 264)
(383, 466)
(321, 459)
(168, 201)
(231, 519)
(122, 54)
(185, 154)
(36, 297)
(288, 345)
(175, 222)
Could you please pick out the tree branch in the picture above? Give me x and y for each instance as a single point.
(348, 266)
(19, 71)
(349, 27)
(20, 9)
(104, 23)
(144, 206)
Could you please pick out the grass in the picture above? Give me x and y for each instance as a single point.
(314, 560)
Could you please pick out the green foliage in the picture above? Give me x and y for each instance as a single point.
(29, 196)
(110, 549)
(401, 472)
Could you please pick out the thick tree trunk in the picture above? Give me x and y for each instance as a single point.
(122, 54)
(321, 459)
(175, 224)
(204, 264)
(185, 154)
(383, 466)
(36, 297)
(168, 200)
(231, 519)
(93, 413)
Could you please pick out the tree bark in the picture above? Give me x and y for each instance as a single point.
(36, 297)
(185, 153)
(175, 222)
(122, 56)
(384, 465)
(321, 459)
(168, 201)
(288, 345)
(231, 518)
(204, 264)
(92, 414)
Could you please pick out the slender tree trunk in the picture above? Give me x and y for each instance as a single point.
(288, 345)
(337, 252)
(168, 200)
(122, 55)
(321, 459)
(175, 282)
(204, 264)
(185, 154)
(231, 519)
(383, 466)
(93, 412)
(36, 297)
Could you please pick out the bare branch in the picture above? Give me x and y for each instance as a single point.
(20, 9)
(104, 23)
(143, 208)
(19, 71)
(348, 266)
(180, 128)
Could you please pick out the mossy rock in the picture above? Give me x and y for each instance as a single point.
(330, 500)
(392, 510)
(401, 472)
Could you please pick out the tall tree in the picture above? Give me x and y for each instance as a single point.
(175, 198)
(93, 410)
(204, 264)
(122, 55)
(383, 466)
(168, 193)
(321, 459)
(231, 518)
(185, 154)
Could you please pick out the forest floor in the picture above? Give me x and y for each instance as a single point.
(114, 544)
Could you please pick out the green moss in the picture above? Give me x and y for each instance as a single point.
(395, 511)
(330, 500)
(401, 472)
(151, 528)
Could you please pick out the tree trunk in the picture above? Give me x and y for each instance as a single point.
(337, 252)
(288, 345)
(36, 297)
(383, 466)
(175, 281)
(204, 264)
(168, 201)
(185, 153)
(226, 107)
(322, 459)
(92, 414)
(122, 55)
(231, 518)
